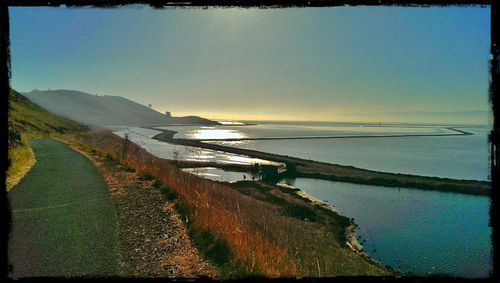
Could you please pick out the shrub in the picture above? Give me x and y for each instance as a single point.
(157, 184)
(214, 247)
(300, 212)
(147, 176)
(167, 193)
(126, 166)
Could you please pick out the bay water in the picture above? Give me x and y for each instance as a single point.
(421, 232)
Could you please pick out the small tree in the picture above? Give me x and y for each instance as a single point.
(126, 143)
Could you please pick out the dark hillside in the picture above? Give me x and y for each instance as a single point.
(27, 117)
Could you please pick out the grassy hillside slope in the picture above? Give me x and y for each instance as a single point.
(104, 110)
(30, 120)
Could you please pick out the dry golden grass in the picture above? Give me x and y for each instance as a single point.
(21, 160)
(262, 240)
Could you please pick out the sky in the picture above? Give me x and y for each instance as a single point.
(323, 64)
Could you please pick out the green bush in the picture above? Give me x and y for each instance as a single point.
(167, 193)
(213, 247)
(108, 157)
(157, 184)
(147, 176)
(300, 212)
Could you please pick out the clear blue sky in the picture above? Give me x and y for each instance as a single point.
(342, 63)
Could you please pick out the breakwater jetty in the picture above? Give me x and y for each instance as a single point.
(334, 172)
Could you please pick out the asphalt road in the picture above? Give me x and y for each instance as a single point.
(64, 223)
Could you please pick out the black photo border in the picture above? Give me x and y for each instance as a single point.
(494, 65)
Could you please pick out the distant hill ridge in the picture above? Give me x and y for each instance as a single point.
(100, 111)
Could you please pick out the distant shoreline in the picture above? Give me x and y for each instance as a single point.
(169, 134)
(370, 124)
(458, 133)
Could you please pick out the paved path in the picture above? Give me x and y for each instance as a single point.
(63, 221)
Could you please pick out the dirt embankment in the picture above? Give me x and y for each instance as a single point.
(153, 240)
(350, 174)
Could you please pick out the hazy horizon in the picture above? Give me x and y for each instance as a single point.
(482, 117)
(356, 64)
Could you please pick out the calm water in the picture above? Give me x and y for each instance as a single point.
(142, 137)
(270, 130)
(458, 157)
(423, 232)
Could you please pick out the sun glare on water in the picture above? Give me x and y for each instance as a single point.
(205, 133)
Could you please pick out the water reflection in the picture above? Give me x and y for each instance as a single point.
(235, 131)
(221, 175)
(143, 138)
(214, 133)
